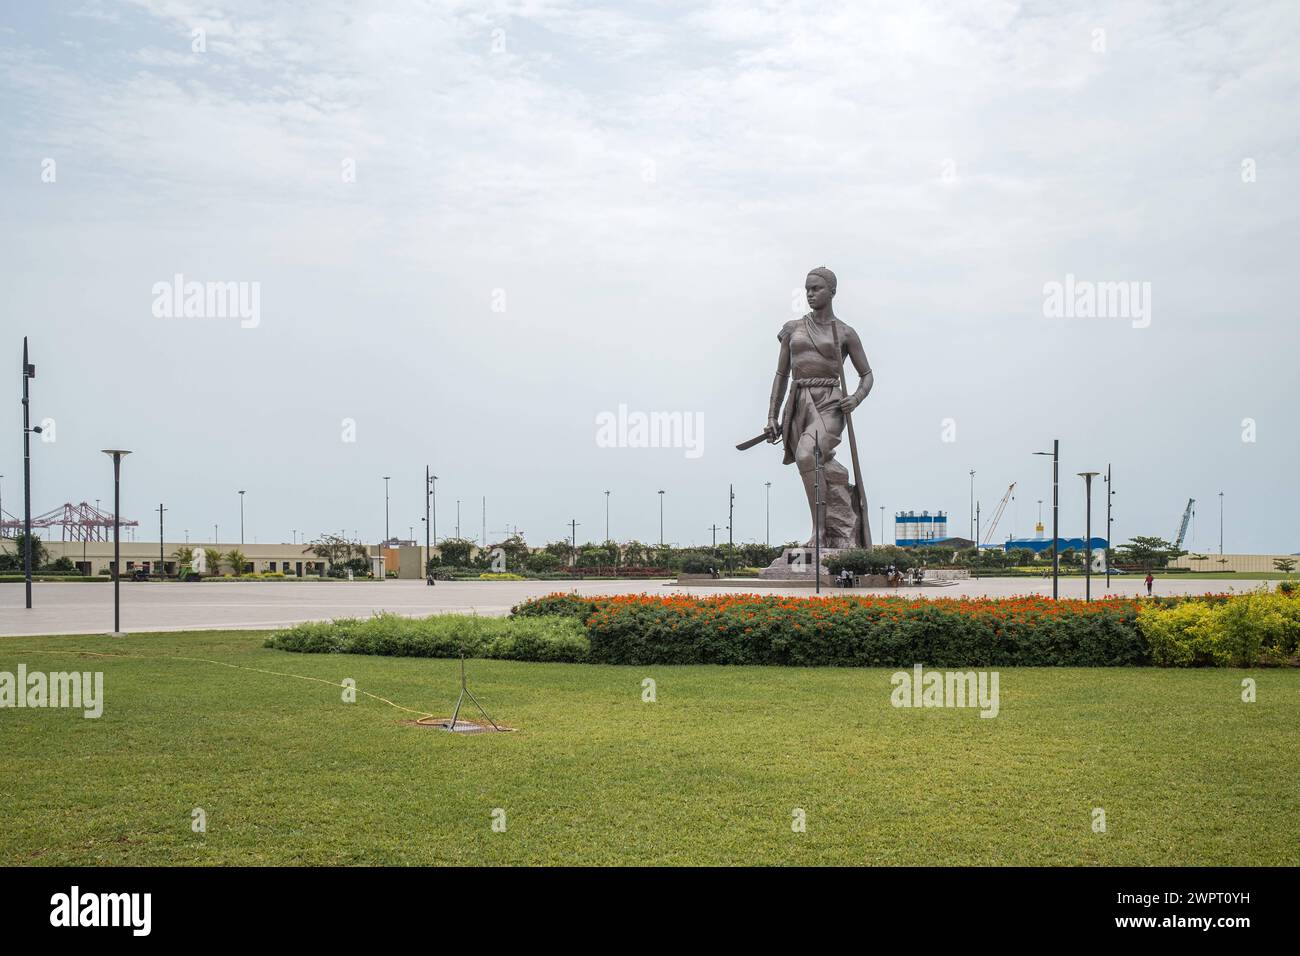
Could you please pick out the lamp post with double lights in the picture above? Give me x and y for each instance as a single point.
(29, 373)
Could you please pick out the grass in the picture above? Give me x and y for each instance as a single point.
(709, 774)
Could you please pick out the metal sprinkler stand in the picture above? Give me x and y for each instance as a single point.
(464, 689)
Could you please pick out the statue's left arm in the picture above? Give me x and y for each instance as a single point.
(866, 378)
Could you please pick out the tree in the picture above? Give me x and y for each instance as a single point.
(335, 550)
(235, 558)
(456, 552)
(1285, 565)
(543, 562)
(1147, 552)
(60, 566)
(213, 559)
(515, 551)
(18, 542)
(184, 555)
(561, 549)
(635, 553)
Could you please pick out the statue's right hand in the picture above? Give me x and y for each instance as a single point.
(773, 430)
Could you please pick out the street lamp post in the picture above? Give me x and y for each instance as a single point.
(1056, 511)
(29, 373)
(731, 521)
(117, 454)
(386, 535)
(817, 514)
(430, 483)
(768, 507)
(1110, 541)
(241, 522)
(661, 517)
(974, 533)
(1220, 524)
(162, 562)
(1087, 477)
(606, 514)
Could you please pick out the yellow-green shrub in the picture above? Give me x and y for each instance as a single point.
(1260, 627)
(1181, 636)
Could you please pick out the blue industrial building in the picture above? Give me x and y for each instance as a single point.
(1039, 545)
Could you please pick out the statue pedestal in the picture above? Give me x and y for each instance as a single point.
(796, 564)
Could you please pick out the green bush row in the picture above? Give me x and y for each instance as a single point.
(442, 635)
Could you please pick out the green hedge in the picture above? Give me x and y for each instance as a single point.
(442, 635)
(51, 578)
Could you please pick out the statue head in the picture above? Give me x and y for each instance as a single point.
(820, 287)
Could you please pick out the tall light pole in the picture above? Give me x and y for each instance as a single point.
(241, 521)
(430, 484)
(457, 517)
(1220, 524)
(974, 534)
(116, 454)
(1056, 512)
(1087, 477)
(606, 514)
(661, 517)
(386, 535)
(1110, 541)
(768, 506)
(162, 562)
(2, 508)
(818, 513)
(29, 373)
(731, 522)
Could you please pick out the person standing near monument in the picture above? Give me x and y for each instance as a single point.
(811, 365)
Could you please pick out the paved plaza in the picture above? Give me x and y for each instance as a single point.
(168, 606)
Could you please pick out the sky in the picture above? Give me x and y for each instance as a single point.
(466, 234)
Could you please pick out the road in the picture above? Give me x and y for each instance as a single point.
(60, 608)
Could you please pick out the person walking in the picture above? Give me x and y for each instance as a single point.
(1150, 581)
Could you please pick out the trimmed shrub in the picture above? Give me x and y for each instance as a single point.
(556, 605)
(442, 635)
(853, 631)
(1256, 628)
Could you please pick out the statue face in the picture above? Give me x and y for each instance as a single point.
(818, 292)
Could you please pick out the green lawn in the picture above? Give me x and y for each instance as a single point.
(710, 773)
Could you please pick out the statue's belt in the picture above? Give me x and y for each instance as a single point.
(816, 382)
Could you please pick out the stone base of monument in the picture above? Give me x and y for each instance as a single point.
(797, 564)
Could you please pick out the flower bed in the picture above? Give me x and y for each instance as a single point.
(869, 631)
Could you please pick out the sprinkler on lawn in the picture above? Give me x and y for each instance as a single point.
(464, 690)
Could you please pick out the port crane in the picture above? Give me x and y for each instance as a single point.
(1182, 528)
(1002, 506)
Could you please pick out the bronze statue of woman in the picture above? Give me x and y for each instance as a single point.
(817, 410)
